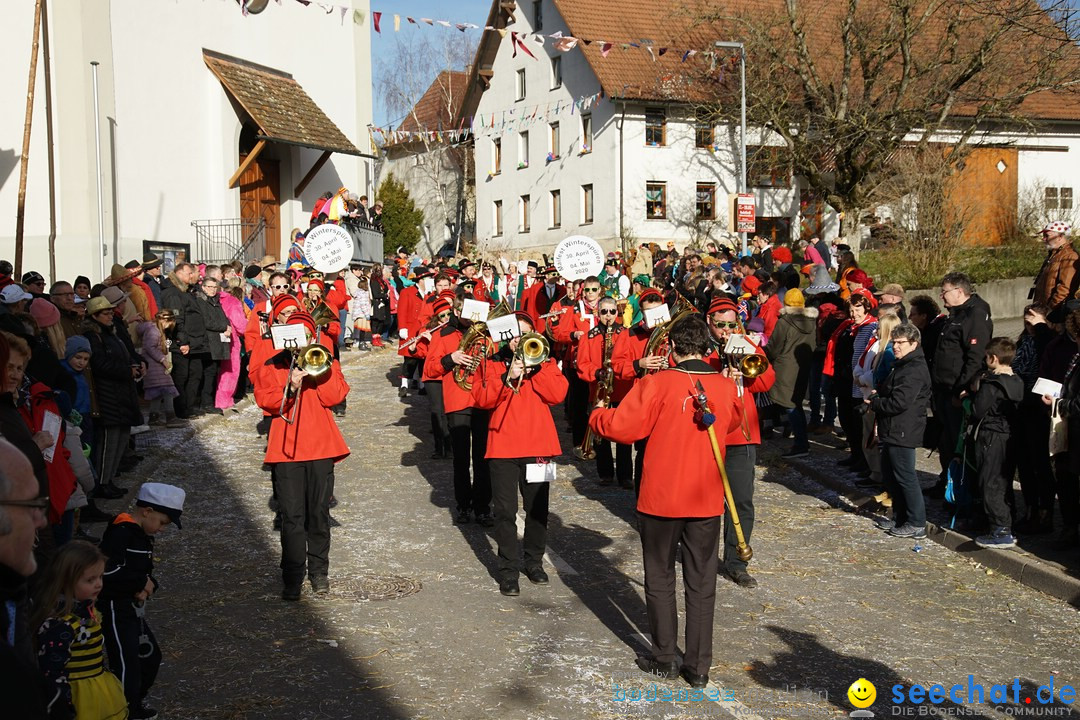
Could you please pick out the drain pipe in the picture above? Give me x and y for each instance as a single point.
(97, 146)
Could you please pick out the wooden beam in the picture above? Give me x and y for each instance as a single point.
(312, 173)
(235, 179)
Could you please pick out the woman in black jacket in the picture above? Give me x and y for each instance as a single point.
(379, 289)
(113, 371)
(900, 402)
(217, 329)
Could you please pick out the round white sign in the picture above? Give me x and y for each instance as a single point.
(577, 257)
(329, 248)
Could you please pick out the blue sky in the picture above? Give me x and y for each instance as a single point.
(459, 11)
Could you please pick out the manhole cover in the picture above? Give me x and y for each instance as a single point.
(376, 587)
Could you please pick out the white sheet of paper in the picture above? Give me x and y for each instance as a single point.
(504, 328)
(475, 310)
(1047, 387)
(540, 472)
(657, 315)
(225, 338)
(739, 343)
(50, 423)
(288, 337)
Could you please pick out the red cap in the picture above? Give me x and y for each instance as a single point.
(316, 281)
(440, 306)
(865, 293)
(751, 284)
(722, 304)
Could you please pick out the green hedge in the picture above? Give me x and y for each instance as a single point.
(981, 264)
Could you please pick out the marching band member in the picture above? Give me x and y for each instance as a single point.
(468, 425)
(742, 442)
(441, 311)
(521, 439)
(303, 453)
(324, 314)
(576, 320)
(524, 283)
(542, 297)
(682, 496)
(594, 364)
(443, 283)
(258, 321)
(408, 310)
(487, 289)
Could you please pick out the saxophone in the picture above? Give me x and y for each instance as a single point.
(604, 389)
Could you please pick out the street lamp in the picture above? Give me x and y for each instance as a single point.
(742, 124)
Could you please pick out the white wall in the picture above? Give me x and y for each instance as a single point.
(169, 133)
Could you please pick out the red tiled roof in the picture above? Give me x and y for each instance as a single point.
(440, 105)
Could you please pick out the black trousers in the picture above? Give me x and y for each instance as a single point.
(409, 367)
(621, 467)
(852, 423)
(577, 405)
(439, 427)
(991, 458)
(303, 491)
(639, 464)
(1032, 458)
(468, 437)
(739, 462)
(951, 417)
(110, 443)
(187, 374)
(122, 629)
(700, 539)
(507, 480)
(209, 383)
(1067, 485)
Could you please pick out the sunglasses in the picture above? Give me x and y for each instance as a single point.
(727, 324)
(279, 287)
(609, 312)
(591, 290)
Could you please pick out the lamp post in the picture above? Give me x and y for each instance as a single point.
(742, 124)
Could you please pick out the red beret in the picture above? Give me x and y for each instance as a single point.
(316, 281)
(865, 293)
(722, 304)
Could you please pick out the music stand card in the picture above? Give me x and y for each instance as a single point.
(288, 337)
(657, 316)
(474, 310)
(739, 345)
(504, 329)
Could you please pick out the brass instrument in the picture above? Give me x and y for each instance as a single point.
(476, 343)
(315, 360)
(320, 312)
(604, 389)
(533, 349)
(658, 345)
(750, 365)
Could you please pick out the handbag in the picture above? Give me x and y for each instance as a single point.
(1059, 431)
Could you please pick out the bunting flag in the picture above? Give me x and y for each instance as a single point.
(397, 23)
(527, 51)
(605, 48)
(375, 18)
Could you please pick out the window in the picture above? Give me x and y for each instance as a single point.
(655, 125)
(767, 166)
(496, 156)
(556, 72)
(655, 201)
(496, 220)
(586, 133)
(523, 214)
(586, 204)
(523, 150)
(554, 148)
(706, 201)
(538, 15)
(1058, 198)
(521, 84)
(556, 208)
(703, 132)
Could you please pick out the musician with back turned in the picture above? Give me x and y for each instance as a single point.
(682, 492)
(742, 442)
(521, 441)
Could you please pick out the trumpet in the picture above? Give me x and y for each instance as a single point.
(316, 361)
(533, 349)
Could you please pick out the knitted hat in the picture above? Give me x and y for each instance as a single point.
(751, 284)
(821, 282)
(317, 283)
(794, 298)
(440, 306)
(642, 280)
(76, 344)
(302, 317)
(32, 277)
(281, 302)
(44, 313)
(82, 280)
(722, 304)
(448, 295)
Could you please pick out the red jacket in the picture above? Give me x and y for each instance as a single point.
(521, 425)
(769, 313)
(407, 310)
(314, 435)
(679, 476)
(61, 476)
(337, 297)
(629, 347)
(536, 303)
(444, 341)
(760, 384)
(590, 360)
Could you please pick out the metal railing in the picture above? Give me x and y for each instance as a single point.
(367, 241)
(222, 241)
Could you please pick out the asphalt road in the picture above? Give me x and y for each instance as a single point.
(838, 599)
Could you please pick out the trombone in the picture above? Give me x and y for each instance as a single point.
(316, 361)
(533, 350)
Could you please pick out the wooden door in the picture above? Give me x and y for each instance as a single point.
(260, 196)
(985, 192)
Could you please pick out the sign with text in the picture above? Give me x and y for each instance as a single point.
(742, 217)
(329, 248)
(577, 257)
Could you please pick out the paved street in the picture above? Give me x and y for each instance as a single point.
(838, 599)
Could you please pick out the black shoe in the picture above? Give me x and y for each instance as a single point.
(422, 391)
(320, 584)
(536, 575)
(695, 681)
(626, 483)
(509, 587)
(868, 483)
(291, 593)
(214, 411)
(606, 481)
(795, 454)
(107, 492)
(486, 519)
(81, 534)
(668, 670)
(277, 522)
(462, 517)
(333, 502)
(91, 513)
(743, 579)
(141, 712)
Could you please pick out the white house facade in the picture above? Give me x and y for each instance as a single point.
(186, 92)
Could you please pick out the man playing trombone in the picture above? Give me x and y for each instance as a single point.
(682, 492)
(304, 444)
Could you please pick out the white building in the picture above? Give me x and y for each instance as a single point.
(187, 90)
(603, 141)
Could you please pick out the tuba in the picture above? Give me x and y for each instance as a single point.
(477, 345)
(658, 344)
(533, 349)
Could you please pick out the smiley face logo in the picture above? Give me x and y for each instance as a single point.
(862, 693)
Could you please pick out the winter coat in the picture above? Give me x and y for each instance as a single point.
(81, 400)
(61, 477)
(1069, 405)
(769, 312)
(380, 300)
(1058, 277)
(21, 683)
(961, 346)
(14, 429)
(215, 323)
(994, 405)
(157, 376)
(129, 562)
(190, 327)
(110, 367)
(791, 353)
(901, 402)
